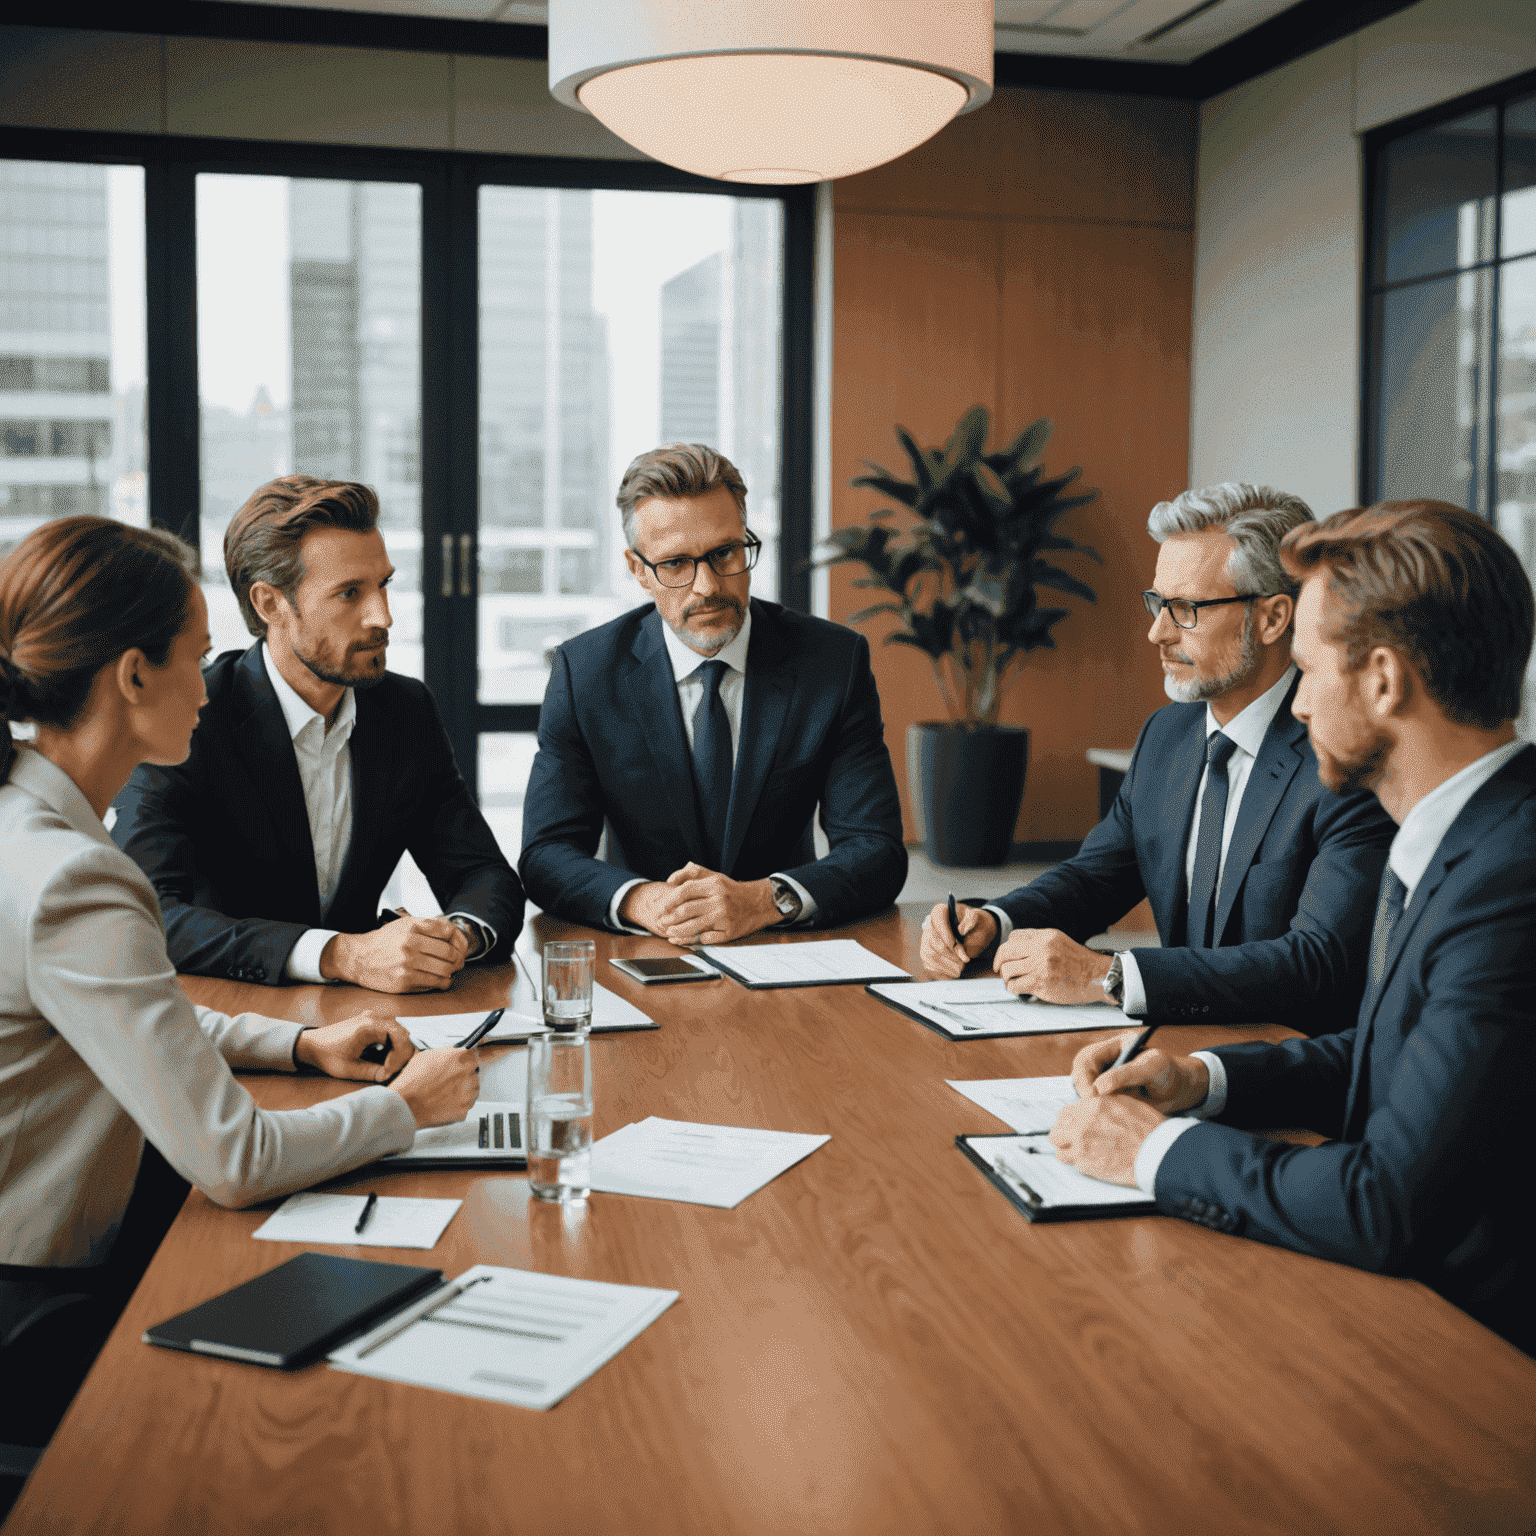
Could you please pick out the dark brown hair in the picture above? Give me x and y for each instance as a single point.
(1436, 584)
(263, 538)
(673, 470)
(74, 595)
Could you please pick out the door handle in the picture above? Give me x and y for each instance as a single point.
(466, 565)
(447, 565)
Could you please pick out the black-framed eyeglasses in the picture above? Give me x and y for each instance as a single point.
(728, 560)
(1185, 611)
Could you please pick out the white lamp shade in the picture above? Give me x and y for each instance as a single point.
(772, 91)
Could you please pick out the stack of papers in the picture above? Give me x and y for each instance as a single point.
(506, 1335)
(1025, 1103)
(702, 1164)
(985, 1008)
(815, 963)
(395, 1223)
(434, 1030)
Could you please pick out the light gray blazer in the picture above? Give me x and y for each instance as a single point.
(99, 1047)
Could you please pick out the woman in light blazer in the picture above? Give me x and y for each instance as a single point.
(102, 632)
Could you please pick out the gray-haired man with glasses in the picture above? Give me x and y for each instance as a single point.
(1261, 881)
(701, 732)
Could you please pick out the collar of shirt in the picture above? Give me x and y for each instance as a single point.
(1428, 822)
(1248, 728)
(300, 718)
(686, 661)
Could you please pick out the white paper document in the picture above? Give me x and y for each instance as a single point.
(432, 1031)
(395, 1223)
(1023, 1103)
(507, 1335)
(966, 1010)
(1032, 1168)
(702, 1164)
(816, 962)
(492, 1130)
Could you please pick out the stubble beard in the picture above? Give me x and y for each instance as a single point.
(339, 676)
(1198, 690)
(725, 634)
(1361, 770)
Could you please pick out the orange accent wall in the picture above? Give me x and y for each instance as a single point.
(1036, 257)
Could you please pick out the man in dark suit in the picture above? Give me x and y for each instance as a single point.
(1260, 881)
(1414, 626)
(312, 770)
(703, 732)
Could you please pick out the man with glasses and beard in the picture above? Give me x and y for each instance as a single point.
(1261, 882)
(312, 770)
(701, 733)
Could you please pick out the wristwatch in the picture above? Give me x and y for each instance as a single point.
(1114, 982)
(471, 931)
(785, 899)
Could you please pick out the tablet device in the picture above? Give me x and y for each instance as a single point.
(667, 968)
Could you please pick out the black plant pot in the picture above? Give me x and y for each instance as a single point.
(967, 787)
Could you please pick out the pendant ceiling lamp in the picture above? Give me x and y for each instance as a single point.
(772, 91)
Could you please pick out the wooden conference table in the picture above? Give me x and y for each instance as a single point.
(876, 1342)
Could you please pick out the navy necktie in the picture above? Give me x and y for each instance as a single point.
(1389, 908)
(1213, 819)
(712, 759)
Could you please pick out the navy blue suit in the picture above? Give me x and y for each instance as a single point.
(224, 837)
(1297, 894)
(612, 750)
(1429, 1096)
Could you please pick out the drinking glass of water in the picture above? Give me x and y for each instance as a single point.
(560, 1078)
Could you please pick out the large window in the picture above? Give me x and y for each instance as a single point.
(1450, 409)
(72, 344)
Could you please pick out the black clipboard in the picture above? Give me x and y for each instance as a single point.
(297, 1312)
(1039, 1211)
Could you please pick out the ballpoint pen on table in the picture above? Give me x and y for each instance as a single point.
(481, 1030)
(368, 1205)
(423, 1309)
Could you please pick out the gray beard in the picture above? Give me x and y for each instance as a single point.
(1200, 689)
(728, 632)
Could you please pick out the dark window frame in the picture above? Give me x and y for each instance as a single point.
(450, 182)
(1373, 145)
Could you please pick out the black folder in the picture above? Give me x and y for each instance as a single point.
(297, 1312)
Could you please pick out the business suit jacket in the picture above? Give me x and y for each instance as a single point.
(1298, 888)
(99, 1047)
(1428, 1096)
(612, 749)
(224, 837)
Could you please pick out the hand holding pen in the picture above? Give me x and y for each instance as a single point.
(1122, 1064)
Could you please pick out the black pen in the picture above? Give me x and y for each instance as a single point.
(1134, 1048)
(368, 1205)
(954, 927)
(481, 1030)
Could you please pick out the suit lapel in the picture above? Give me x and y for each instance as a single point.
(1280, 757)
(264, 747)
(770, 685)
(1478, 821)
(1168, 890)
(651, 694)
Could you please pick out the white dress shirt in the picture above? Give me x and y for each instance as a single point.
(100, 1046)
(323, 753)
(1246, 730)
(690, 694)
(1422, 831)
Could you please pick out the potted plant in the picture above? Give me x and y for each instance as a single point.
(964, 578)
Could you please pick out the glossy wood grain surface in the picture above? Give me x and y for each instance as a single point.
(876, 1342)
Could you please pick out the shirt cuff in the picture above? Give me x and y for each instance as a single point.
(1216, 1095)
(486, 933)
(616, 922)
(1155, 1148)
(807, 901)
(303, 963)
(1133, 991)
(1004, 922)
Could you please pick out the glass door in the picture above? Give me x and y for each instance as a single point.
(609, 322)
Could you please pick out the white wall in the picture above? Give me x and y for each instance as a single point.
(1275, 358)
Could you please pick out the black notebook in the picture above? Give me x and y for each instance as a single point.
(295, 1313)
